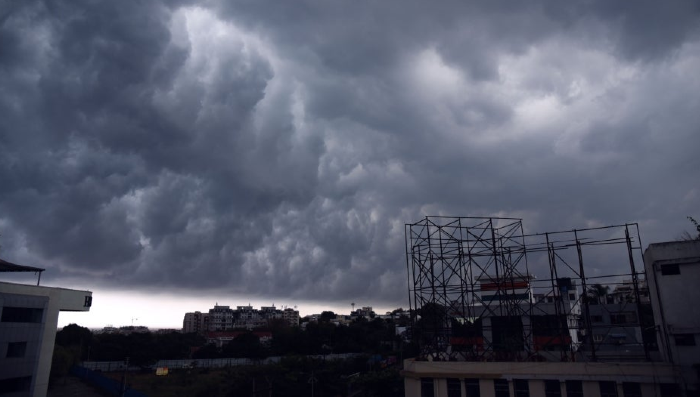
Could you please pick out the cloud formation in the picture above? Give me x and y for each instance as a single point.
(277, 149)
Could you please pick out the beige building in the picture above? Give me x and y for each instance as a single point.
(551, 379)
(291, 316)
(195, 322)
(28, 319)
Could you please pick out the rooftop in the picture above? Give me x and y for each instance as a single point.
(6, 266)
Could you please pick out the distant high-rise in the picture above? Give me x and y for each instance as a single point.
(224, 318)
(291, 316)
(195, 322)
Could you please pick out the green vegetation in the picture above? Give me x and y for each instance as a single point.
(697, 227)
(291, 377)
(370, 375)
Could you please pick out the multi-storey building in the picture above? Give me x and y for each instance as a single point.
(28, 319)
(538, 379)
(195, 322)
(291, 316)
(612, 358)
(673, 274)
(248, 318)
(220, 318)
(224, 318)
(469, 280)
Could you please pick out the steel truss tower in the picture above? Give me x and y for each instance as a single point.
(474, 297)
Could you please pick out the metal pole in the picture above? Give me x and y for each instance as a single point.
(587, 313)
(636, 292)
(499, 291)
(123, 394)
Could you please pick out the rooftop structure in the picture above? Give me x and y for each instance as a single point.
(485, 290)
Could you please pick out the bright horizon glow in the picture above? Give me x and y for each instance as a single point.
(160, 310)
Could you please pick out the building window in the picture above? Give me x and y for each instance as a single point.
(598, 338)
(572, 296)
(454, 388)
(671, 269)
(552, 388)
(687, 339)
(596, 318)
(608, 388)
(623, 318)
(521, 387)
(501, 388)
(472, 387)
(15, 385)
(21, 314)
(427, 387)
(669, 390)
(631, 389)
(16, 349)
(574, 389)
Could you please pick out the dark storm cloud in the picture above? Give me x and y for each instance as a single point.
(277, 149)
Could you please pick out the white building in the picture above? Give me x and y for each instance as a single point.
(672, 279)
(220, 318)
(673, 275)
(537, 379)
(29, 315)
(224, 318)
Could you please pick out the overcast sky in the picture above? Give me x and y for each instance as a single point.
(273, 151)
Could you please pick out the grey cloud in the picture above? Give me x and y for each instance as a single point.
(277, 149)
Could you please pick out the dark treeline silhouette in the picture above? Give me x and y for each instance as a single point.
(376, 339)
(75, 343)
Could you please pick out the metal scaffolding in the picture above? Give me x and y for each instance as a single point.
(481, 289)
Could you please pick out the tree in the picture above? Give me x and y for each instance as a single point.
(687, 236)
(246, 345)
(598, 293)
(327, 316)
(63, 359)
(208, 351)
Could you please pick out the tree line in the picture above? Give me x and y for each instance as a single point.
(75, 343)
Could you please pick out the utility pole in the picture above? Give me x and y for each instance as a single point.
(124, 378)
(312, 381)
(269, 382)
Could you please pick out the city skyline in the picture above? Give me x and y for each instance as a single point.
(167, 155)
(109, 313)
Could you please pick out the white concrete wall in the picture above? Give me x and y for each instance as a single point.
(674, 301)
(648, 375)
(59, 299)
(411, 387)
